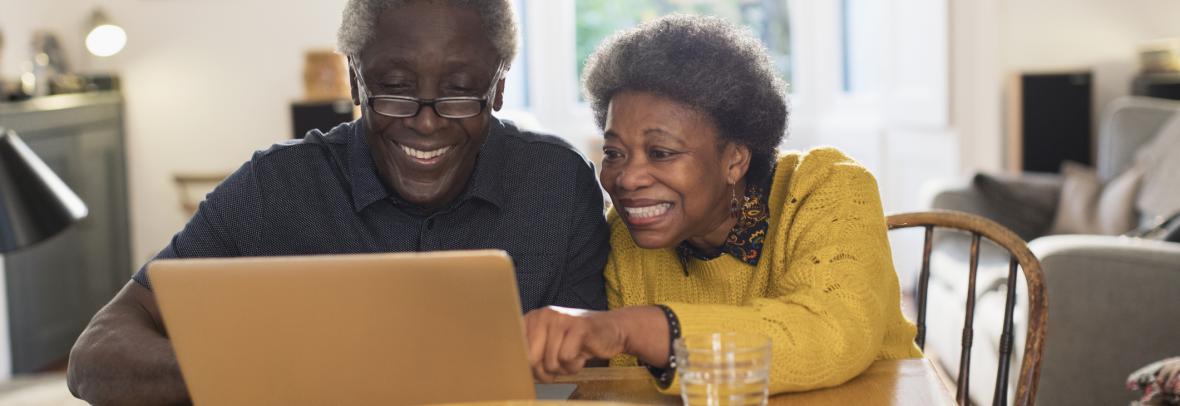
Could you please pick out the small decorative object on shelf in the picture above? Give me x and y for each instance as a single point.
(1159, 70)
(327, 98)
(50, 73)
(324, 76)
(1160, 56)
(48, 62)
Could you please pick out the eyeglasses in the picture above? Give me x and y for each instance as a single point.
(446, 107)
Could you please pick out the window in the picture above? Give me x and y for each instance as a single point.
(596, 20)
(805, 40)
(516, 86)
(861, 30)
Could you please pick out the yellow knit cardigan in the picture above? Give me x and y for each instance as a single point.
(824, 289)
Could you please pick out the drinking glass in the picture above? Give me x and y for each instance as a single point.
(721, 369)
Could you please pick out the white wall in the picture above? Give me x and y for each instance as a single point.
(976, 84)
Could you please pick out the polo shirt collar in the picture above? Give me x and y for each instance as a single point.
(487, 180)
(486, 183)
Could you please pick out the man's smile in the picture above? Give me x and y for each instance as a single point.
(425, 156)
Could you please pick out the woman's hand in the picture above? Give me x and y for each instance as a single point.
(561, 340)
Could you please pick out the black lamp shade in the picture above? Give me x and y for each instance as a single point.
(34, 203)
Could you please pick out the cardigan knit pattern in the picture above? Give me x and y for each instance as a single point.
(824, 290)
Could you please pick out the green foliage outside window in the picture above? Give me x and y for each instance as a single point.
(767, 19)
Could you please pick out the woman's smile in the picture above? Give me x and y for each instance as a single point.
(640, 214)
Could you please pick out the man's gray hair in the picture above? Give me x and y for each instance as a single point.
(360, 23)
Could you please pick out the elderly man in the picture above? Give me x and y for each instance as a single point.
(427, 167)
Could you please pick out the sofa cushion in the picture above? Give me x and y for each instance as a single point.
(1024, 204)
(1159, 159)
(1087, 206)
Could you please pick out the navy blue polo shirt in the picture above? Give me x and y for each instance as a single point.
(530, 194)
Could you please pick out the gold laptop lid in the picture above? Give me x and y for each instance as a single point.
(389, 329)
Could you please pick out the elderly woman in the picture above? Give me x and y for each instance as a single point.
(713, 230)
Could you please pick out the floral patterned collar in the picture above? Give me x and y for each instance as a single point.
(746, 237)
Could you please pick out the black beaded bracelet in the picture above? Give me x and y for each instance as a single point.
(664, 376)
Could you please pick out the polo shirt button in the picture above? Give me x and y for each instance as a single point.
(430, 224)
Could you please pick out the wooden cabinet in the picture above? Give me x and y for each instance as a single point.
(55, 287)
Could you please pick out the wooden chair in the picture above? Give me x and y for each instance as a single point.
(978, 227)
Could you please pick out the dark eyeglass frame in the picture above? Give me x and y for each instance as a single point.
(367, 99)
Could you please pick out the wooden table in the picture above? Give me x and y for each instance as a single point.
(901, 382)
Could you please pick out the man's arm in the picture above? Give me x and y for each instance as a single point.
(124, 356)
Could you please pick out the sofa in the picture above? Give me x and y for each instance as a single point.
(1114, 301)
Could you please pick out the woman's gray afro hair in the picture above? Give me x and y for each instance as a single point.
(360, 20)
(704, 62)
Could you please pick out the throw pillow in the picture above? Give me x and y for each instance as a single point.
(1025, 205)
(1089, 207)
(1159, 159)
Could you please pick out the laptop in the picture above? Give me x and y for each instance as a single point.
(412, 328)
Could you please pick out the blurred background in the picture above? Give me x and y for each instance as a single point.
(184, 91)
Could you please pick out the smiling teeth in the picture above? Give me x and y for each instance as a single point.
(425, 154)
(648, 211)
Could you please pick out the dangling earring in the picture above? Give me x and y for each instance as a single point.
(735, 206)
